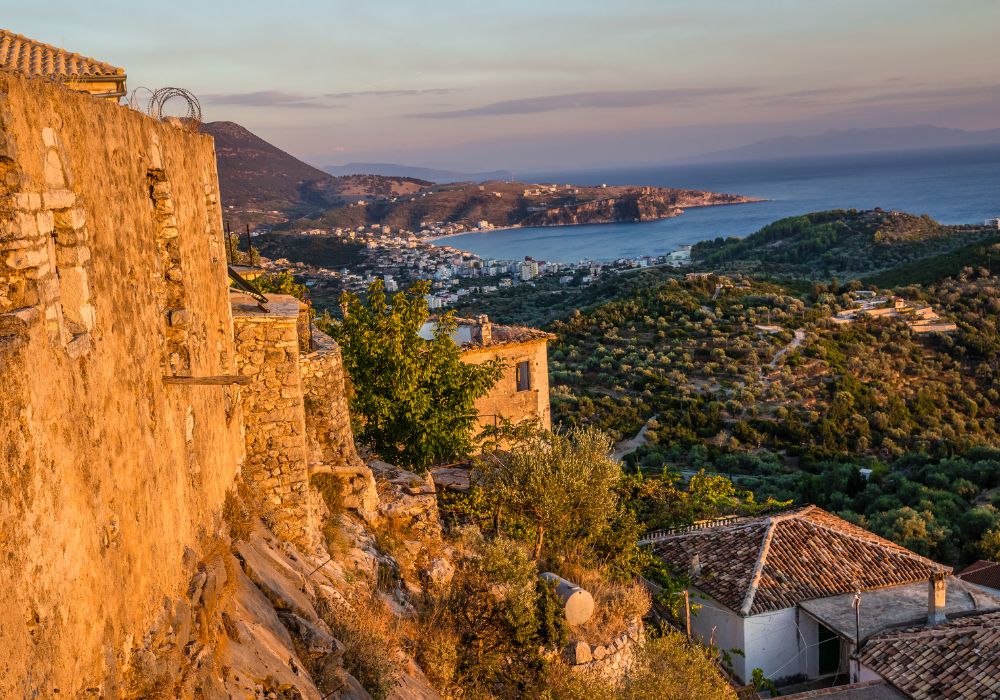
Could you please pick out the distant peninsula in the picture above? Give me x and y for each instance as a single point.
(513, 204)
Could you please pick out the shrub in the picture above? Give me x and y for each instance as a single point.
(371, 636)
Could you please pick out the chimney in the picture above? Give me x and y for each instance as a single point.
(695, 566)
(937, 593)
(484, 330)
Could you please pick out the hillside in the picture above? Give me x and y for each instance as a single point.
(519, 204)
(837, 242)
(257, 177)
(251, 170)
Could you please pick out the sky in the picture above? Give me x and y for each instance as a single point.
(544, 84)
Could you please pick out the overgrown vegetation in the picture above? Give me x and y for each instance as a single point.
(838, 242)
(669, 666)
(412, 400)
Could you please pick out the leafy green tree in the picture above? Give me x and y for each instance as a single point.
(281, 283)
(989, 545)
(413, 400)
(563, 484)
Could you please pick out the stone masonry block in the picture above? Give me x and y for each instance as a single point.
(54, 175)
(25, 225)
(59, 199)
(46, 222)
(49, 137)
(75, 218)
(22, 259)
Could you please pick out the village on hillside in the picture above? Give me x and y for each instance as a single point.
(187, 512)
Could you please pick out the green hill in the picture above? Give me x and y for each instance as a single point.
(839, 242)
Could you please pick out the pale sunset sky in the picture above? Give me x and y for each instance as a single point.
(542, 84)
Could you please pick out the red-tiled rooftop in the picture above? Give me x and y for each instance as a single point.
(773, 562)
(32, 57)
(959, 659)
(982, 573)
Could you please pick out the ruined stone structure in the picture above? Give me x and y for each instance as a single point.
(522, 393)
(267, 352)
(129, 374)
(295, 408)
(107, 471)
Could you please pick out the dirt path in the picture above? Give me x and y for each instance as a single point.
(800, 335)
(630, 445)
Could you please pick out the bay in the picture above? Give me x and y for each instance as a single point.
(954, 186)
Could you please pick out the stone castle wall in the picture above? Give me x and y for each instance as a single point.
(112, 282)
(328, 424)
(267, 352)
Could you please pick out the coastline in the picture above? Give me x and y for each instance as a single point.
(514, 227)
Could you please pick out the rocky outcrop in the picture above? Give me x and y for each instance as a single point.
(640, 204)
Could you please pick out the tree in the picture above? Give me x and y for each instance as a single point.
(563, 484)
(989, 545)
(282, 283)
(413, 400)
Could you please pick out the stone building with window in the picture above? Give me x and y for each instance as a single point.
(522, 393)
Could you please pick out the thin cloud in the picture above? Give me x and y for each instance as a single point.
(268, 98)
(619, 99)
(389, 93)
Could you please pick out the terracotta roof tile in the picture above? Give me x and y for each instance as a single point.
(773, 562)
(35, 58)
(958, 659)
(982, 573)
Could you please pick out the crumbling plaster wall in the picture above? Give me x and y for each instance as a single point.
(504, 400)
(106, 472)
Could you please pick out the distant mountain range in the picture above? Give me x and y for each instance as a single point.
(847, 141)
(431, 174)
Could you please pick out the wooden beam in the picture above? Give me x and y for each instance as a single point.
(222, 380)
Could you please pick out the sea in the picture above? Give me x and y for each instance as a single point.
(955, 186)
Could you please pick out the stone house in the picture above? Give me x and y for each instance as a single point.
(80, 73)
(782, 589)
(522, 393)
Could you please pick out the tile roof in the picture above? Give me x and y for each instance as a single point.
(982, 573)
(767, 563)
(959, 659)
(35, 58)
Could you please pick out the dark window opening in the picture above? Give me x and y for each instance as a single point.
(523, 376)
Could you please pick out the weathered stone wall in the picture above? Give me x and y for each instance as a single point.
(612, 660)
(328, 421)
(107, 473)
(267, 351)
(328, 424)
(504, 400)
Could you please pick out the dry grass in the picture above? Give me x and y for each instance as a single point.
(238, 516)
(331, 488)
(667, 667)
(616, 605)
(372, 638)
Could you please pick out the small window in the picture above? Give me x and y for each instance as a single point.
(523, 376)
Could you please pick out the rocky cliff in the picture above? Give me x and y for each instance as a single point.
(639, 204)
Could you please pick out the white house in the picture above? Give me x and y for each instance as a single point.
(782, 589)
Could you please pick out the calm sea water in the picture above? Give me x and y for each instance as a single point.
(953, 186)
